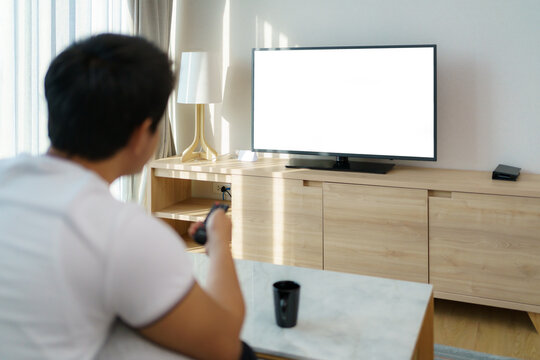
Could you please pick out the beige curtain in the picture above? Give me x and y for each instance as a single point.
(152, 19)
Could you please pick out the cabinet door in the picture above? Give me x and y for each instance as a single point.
(374, 230)
(277, 220)
(486, 246)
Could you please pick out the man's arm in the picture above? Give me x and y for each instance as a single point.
(206, 323)
(222, 282)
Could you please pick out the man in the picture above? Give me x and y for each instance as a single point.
(72, 259)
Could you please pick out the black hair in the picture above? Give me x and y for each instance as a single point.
(100, 89)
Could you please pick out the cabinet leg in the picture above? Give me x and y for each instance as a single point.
(535, 318)
(424, 344)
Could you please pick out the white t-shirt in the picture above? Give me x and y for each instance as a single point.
(72, 259)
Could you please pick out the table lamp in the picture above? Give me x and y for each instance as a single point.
(200, 84)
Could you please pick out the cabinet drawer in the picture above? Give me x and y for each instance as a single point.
(486, 246)
(375, 230)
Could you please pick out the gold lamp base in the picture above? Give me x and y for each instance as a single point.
(206, 152)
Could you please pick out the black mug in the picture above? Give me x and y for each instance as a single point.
(286, 300)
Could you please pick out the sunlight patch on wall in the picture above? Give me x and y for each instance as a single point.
(267, 34)
(283, 40)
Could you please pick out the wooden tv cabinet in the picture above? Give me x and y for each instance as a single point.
(475, 239)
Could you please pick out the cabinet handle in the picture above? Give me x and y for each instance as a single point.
(440, 194)
(309, 183)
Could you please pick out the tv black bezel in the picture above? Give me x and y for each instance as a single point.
(346, 155)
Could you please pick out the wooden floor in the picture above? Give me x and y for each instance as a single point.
(486, 329)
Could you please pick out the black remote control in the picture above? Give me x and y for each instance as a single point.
(200, 234)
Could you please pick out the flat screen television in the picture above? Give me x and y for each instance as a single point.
(376, 102)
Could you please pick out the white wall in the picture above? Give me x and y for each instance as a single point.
(488, 65)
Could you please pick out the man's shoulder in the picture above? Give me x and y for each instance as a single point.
(45, 183)
(16, 163)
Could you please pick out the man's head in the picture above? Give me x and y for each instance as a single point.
(100, 90)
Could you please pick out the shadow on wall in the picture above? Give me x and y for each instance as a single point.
(236, 100)
(246, 30)
(463, 114)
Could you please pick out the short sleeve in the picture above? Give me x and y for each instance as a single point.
(148, 270)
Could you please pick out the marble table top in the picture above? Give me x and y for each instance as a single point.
(341, 316)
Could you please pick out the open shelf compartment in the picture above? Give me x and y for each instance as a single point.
(192, 209)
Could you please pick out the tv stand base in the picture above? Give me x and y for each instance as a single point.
(341, 164)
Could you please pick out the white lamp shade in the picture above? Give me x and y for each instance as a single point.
(200, 79)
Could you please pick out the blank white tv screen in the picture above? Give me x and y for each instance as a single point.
(371, 102)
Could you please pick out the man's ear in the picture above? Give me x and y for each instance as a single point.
(141, 136)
